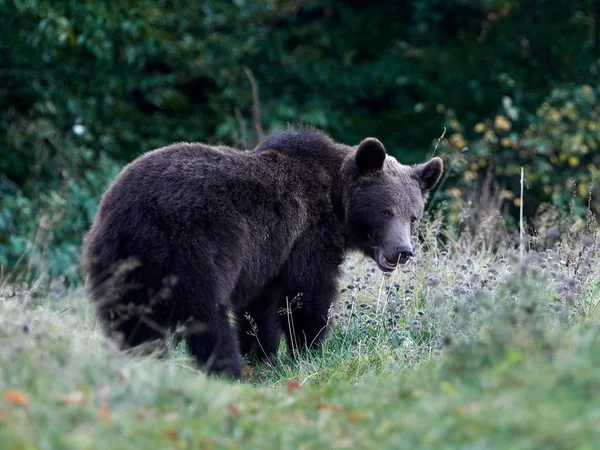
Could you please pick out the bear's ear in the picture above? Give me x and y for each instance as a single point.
(429, 173)
(370, 155)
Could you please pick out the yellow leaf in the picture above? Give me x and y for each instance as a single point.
(480, 127)
(508, 195)
(448, 389)
(470, 175)
(554, 115)
(490, 136)
(502, 123)
(457, 140)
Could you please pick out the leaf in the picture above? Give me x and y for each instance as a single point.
(448, 389)
(502, 123)
(16, 397)
(329, 407)
(353, 417)
(172, 434)
(104, 414)
(292, 385)
(234, 410)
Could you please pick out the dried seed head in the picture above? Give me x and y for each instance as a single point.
(433, 281)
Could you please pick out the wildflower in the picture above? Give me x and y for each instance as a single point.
(433, 281)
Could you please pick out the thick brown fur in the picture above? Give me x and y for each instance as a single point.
(188, 233)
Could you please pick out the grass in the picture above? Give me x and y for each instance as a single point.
(458, 349)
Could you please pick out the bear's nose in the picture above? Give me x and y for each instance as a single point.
(405, 251)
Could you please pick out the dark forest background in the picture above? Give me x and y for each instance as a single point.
(86, 86)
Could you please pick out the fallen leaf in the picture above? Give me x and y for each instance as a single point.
(353, 417)
(327, 407)
(172, 434)
(104, 411)
(234, 410)
(16, 397)
(292, 385)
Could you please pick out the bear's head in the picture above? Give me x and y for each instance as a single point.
(384, 202)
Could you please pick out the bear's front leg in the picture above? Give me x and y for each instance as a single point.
(259, 331)
(304, 314)
(212, 342)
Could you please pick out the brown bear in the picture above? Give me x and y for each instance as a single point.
(188, 233)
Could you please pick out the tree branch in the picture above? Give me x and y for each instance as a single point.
(259, 134)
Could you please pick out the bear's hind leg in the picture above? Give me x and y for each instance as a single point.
(211, 340)
(132, 303)
(139, 334)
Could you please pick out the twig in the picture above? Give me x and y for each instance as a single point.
(440, 185)
(521, 221)
(259, 134)
(438, 142)
(311, 375)
(241, 127)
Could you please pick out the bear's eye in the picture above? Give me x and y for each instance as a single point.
(413, 219)
(387, 213)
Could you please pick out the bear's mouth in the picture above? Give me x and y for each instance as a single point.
(383, 263)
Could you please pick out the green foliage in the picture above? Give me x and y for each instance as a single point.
(558, 147)
(87, 85)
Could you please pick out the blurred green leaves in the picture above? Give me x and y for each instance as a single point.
(558, 145)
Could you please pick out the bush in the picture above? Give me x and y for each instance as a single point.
(557, 147)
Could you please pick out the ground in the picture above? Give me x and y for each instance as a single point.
(458, 349)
